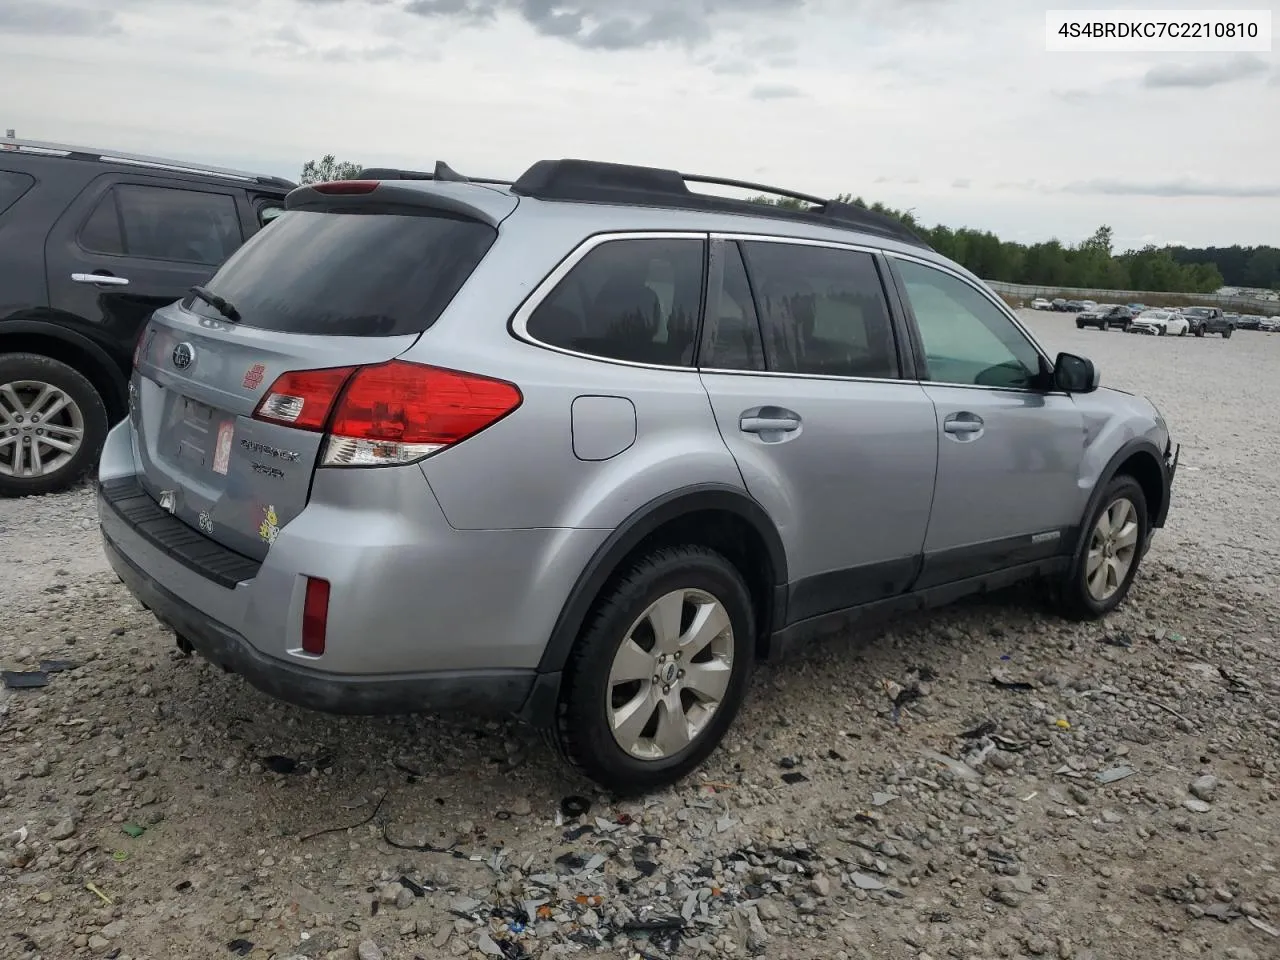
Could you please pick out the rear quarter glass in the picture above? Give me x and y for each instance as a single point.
(349, 274)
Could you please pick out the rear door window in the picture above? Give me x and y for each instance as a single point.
(189, 226)
(823, 311)
(636, 300)
(13, 186)
(349, 274)
(101, 233)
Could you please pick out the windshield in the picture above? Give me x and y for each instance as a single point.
(1154, 315)
(1197, 311)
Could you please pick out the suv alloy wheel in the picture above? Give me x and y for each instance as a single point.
(659, 671)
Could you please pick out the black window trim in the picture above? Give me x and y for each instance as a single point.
(518, 325)
(113, 180)
(918, 344)
(34, 184)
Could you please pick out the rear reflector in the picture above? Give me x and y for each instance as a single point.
(346, 187)
(302, 398)
(315, 616)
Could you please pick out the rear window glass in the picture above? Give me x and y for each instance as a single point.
(350, 274)
(634, 300)
(12, 186)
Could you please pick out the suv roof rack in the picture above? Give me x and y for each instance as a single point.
(136, 160)
(442, 173)
(591, 181)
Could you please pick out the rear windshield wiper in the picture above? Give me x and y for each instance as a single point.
(217, 302)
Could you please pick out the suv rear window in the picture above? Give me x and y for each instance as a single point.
(350, 274)
(635, 300)
(12, 186)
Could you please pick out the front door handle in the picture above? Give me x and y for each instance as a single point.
(102, 279)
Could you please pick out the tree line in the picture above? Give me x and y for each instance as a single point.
(1092, 263)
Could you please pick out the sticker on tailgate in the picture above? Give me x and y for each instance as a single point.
(222, 452)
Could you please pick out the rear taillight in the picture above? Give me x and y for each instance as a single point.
(315, 616)
(391, 413)
(302, 398)
(398, 412)
(137, 347)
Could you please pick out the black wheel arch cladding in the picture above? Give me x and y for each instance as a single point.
(633, 531)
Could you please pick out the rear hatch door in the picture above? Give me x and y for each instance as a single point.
(316, 290)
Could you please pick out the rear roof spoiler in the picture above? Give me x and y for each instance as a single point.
(370, 196)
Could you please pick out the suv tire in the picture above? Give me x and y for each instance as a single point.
(1226, 334)
(1106, 545)
(26, 375)
(593, 691)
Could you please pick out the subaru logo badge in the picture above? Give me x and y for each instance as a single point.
(184, 355)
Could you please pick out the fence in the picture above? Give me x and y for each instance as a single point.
(1247, 305)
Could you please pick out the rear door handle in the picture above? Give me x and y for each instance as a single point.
(104, 279)
(768, 424)
(963, 424)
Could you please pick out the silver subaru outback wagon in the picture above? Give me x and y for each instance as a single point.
(582, 448)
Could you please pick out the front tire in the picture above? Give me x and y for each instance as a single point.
(52, 425)
(659, 671)
(1115, 537)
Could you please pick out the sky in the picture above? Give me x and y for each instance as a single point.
(950, 108)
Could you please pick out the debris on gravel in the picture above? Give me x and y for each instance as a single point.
(876, 799)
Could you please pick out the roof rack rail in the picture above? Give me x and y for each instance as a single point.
(591, 181)
(442, 173)
(137, 160)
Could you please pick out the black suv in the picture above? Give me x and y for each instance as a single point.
(91, 242)
(1105, 316)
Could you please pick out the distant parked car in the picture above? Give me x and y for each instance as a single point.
(1089, 304)
(1160, 323)
(1249, 321)
(1105, 316)
(1137, 308)
(1270, 324)
(1208, 320)
(1040, 303)
(1073, 306)
(1059, 304)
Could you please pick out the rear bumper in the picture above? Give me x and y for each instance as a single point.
(422, 617)
(497, 692)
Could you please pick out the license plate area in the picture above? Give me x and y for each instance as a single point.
(197, 438)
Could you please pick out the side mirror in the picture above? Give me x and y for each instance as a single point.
(1074, 374)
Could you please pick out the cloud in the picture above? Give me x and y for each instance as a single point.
(48, 17)
(1203, 75)
(607, 24)
(962, 183)
(1174, 188)
(733, 68)
(775, 91)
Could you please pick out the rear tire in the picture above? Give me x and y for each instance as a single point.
(1111, 549)
(78, 425)
(1106, 326)
(1226, 334)
(1199, 331)
(667, 736)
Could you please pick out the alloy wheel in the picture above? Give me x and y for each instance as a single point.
(1113, 548)
(670, 674)
(41, 428)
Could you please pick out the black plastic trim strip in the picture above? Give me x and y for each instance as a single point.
(165, 532)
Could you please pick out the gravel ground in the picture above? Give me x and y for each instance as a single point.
(1115, 796)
